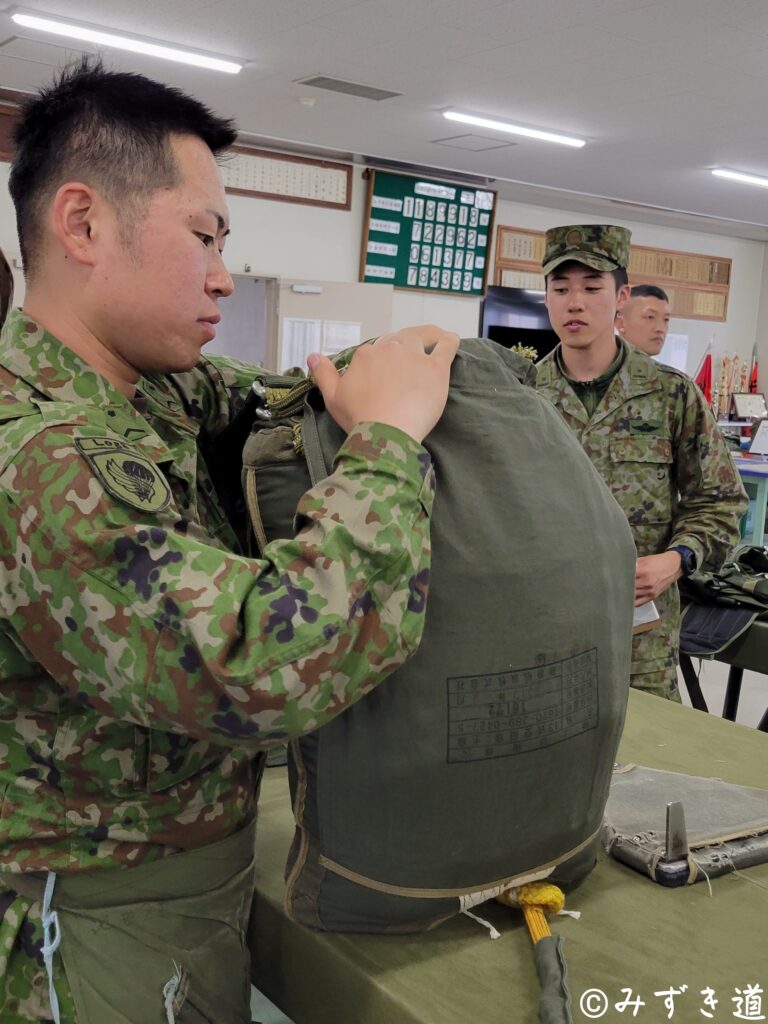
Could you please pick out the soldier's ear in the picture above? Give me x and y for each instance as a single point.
(74, 213)
(623, 296)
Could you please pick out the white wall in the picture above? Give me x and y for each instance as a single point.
(244, 330)
(762, 333)
(277, 239)
(9, 241)
(292, 240)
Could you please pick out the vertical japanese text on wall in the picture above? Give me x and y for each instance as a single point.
(428, 235)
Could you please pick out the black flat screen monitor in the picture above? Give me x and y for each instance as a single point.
(512, 316)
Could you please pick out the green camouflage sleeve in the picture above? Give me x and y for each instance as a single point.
(213, 392)
(712, 499)
(139, 617)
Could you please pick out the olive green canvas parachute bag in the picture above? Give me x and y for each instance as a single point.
(485, 761)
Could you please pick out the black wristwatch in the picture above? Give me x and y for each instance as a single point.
(687, 559)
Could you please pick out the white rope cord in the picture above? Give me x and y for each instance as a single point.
(170, 988)
(495, 934)
(701, 869)
(51, 940)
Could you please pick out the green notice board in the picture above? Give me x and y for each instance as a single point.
(430, 235)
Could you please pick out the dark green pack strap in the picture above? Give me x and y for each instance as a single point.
(313, 447)
(294, 428)
(286, 397)
(254, 511)
(305, 394)
(275, 397)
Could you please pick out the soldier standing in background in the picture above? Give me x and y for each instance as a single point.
(643, 320)
(646, 429)
(145, 663)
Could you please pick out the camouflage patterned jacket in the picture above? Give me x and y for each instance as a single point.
(144, 663)
(656, 444)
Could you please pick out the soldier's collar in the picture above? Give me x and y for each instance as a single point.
(160, 399)
(47, 366)
(54, 371)
(546, 369)
(606, 376)
(641, 368)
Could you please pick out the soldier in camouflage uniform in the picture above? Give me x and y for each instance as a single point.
(646, 429)
(145, 663)
(644, 318)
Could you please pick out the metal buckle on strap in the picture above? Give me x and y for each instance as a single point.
(262, 412)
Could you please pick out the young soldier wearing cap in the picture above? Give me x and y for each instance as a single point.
(646, 429)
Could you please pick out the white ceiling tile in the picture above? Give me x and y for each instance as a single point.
(434, 46)
(256, 20)
(45, 53)
(513, 22)
(754, 64)
(543, 54)
(654, 25)
(662, 89)
(372, 22)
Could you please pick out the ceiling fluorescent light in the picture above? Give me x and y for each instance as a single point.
(101, 38)
(514, 129)
(746, 179)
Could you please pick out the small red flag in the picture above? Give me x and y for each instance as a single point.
(753, 371)
(704, 378)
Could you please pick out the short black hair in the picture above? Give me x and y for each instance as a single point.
(620, 277)
(640, 291)
(108, 129)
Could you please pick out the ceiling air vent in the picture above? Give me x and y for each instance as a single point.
(474, 143)
(366, 92)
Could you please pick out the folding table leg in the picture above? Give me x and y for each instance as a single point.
(692, 683)
(732, 693)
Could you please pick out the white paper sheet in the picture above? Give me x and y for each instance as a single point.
(299, 337)
(340, 334)
(675, 352)
(759, 445)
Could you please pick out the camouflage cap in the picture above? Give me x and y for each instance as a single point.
(600, 246)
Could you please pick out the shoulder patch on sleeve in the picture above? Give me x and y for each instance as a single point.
(125, 472)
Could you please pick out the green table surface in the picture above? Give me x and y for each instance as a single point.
(633, 934)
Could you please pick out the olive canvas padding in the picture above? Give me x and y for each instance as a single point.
(486, 759)
(163, 941)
